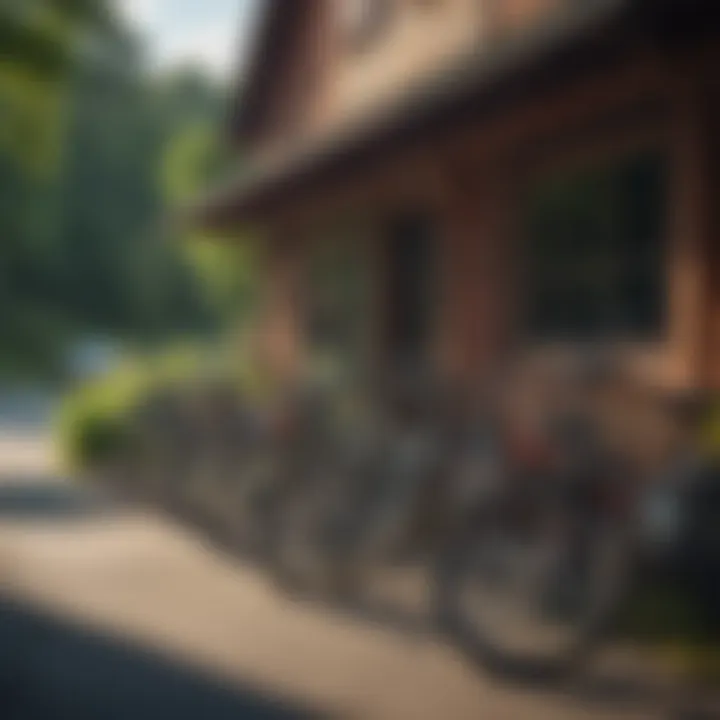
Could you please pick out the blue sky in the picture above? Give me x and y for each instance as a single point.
(213, 33)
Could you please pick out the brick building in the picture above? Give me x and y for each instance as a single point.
(441, 181)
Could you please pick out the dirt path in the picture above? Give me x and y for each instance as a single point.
(113, 613)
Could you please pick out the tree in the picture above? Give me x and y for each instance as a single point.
(41, 39)
(124, 272)
(94, 152)
(225, 266)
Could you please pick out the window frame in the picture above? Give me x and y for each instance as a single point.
(644, 127)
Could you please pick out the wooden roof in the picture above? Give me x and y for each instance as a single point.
(474, 83)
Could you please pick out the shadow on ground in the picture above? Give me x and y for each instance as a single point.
(592, 688)
(45, 498)
(52, 670)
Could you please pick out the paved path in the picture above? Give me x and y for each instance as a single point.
(111, 613)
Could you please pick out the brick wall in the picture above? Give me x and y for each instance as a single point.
(474, 177)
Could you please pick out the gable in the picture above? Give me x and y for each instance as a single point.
(320, 63)
(282, 66)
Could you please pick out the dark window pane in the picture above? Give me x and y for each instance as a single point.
(595, 252)
(409, 257)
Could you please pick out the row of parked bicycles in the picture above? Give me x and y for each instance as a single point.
(539, 505)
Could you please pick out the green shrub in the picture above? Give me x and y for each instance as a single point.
(98, 420)
(94, 423)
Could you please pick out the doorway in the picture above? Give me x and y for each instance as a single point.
(409, 259)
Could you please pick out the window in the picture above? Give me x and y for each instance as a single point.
(595, 253)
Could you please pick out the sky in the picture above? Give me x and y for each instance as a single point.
(213, 33)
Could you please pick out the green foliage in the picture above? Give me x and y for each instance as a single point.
(189, 162)
(125, 272)
(39, 37)
(41, 41)
(96, 154)
(97, 422)
(94, 423)
(83, 204)
(227, 271)
(93, 437)
(225, 266)
(30, 121)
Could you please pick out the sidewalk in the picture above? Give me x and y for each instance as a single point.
(138, 584)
